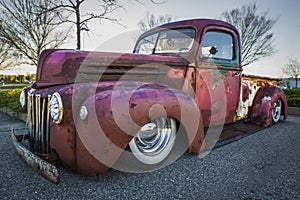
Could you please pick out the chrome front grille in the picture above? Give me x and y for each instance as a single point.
(38, 122)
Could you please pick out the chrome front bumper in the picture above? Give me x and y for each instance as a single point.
(41, 166)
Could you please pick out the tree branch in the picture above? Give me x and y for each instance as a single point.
(254, 29)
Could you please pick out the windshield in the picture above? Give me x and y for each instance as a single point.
(167, 41)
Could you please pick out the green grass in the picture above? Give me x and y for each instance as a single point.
(293, 97)
(10, 99)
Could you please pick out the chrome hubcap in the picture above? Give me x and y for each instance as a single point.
(153, 137)
(276, 111)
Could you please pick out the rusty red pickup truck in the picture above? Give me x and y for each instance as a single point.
(91, 111)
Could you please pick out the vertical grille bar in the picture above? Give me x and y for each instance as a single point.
(32, 121)
(39, 122)
(43, 130)
(48, 125)
(30, 117)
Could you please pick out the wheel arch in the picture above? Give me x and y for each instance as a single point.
(141, 105)
(265, 98)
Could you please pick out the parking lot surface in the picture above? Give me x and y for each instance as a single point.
(264, 165)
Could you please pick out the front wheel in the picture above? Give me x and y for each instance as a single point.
(154, 141)
(276, 111)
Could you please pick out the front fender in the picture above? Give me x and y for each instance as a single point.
(264, 100)
(115, 116)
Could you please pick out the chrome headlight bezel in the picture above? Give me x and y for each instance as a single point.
(56, 108)
(22, 99)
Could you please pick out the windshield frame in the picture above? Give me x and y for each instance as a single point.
(157, 34)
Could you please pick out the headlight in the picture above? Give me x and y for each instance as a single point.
(22, 99)
(56, 108)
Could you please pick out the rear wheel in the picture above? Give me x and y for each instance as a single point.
(276, 111)
(154, 141)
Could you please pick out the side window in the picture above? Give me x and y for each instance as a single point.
(217, 45)
(146, 45)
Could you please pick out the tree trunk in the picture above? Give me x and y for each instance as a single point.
(78, 37)
(78, 28)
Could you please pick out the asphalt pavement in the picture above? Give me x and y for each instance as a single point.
(264, 165)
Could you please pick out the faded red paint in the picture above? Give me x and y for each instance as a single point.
(109, 140)
(262, 107)
(64, 66)
(213, 93)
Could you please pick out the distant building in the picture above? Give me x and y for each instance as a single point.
(290, 83)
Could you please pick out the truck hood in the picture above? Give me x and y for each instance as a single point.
(56, 67)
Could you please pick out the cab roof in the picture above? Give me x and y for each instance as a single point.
(197, 24)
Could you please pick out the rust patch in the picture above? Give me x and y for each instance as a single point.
(45, 169)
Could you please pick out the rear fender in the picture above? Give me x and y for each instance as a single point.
(115, 116)
(264, 100)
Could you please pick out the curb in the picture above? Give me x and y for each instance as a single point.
(14, 114)
(293, 110)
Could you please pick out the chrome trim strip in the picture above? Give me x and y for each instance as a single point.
(37, 122)
(48, 126)
(42, 131)
(122, 71)
(29, 114)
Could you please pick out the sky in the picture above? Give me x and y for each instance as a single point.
(105, 36)
(286, 30)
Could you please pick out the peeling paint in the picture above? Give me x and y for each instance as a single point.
(209, 92)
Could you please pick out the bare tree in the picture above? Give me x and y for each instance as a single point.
(26, 32)
(5, 56)
(255, 32)
(292, 69)
(70, 11)
(150, 21)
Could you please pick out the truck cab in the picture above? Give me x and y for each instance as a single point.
(213, 52)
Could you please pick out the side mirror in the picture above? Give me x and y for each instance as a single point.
(209, 51)
(213, 50)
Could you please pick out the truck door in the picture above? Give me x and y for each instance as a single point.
(218, 75)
